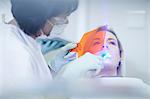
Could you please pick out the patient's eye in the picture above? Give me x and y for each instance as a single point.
(112, 42)
(96, 43)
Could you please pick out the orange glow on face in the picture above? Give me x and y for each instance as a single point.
(91, 42)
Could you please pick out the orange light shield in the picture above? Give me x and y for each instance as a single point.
(91, 42)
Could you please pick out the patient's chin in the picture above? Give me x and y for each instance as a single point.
(110, 64)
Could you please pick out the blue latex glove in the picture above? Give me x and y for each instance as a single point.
(49, 45)
(56, 59)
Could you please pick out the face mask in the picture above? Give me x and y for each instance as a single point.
(58, 29)
(59, 20)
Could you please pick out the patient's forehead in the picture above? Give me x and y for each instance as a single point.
(109, 35)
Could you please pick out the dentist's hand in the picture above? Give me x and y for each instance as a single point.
(49, 45)
(58, 58)
(79, 67)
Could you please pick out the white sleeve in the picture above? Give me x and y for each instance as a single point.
(16, 68)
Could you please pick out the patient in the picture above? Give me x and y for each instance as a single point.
(103, 42)
(111, 52)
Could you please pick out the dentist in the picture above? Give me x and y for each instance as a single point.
(22, 59)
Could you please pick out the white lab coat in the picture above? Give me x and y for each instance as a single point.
(21, 60)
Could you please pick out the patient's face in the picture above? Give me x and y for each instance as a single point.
(110, 46)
